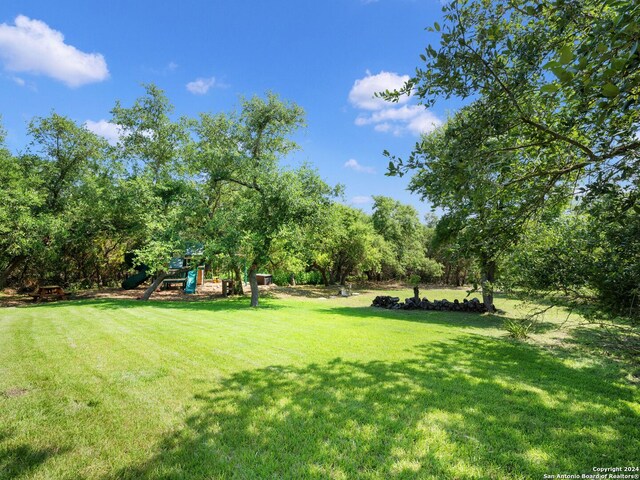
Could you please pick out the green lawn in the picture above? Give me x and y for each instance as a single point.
(299, 388)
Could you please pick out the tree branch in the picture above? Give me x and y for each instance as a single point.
(525, 118)
(553, 173)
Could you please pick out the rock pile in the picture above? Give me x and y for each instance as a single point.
(415, 303)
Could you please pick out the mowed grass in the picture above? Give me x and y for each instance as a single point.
(299, 388)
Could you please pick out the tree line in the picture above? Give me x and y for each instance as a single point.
(537, 175)
(72, 205)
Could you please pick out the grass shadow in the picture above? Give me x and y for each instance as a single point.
(543, 327)
(18, 460)
(612, 341)
(306, 291)
(469, 408)
(457, 319)
(210, 305)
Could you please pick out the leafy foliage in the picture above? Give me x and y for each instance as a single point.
(553, 91)
(400, 227)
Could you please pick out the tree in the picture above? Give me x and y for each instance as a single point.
(558, 82)
(400, 227)
(242, 151)
(150, 140)
(20, 197)
(482, 219)
(589, 253)
(73, 177)
(66, 153)
(345, 244)
(68, 215)
(554, 88)
(152, 145)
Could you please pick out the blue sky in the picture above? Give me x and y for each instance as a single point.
(77, 58)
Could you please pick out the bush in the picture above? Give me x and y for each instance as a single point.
(281, 277)
(430, 270)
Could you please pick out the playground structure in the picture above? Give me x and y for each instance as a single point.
(184, 273)
(188, 280)
(179, 274)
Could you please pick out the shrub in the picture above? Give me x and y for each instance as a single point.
(282, 277)
(518, 329)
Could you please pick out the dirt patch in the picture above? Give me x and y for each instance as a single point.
(15, 392)
(208, 291)
(11, 298)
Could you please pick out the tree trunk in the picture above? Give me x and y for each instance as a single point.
(488, 277)
(158, 281)
(323, 273)
(292, 280)
(13, 264)
(237, 284)
(253, 282)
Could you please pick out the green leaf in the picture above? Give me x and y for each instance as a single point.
(609, 90)
(566, 54)
(436, 25)
(582, 63)
(562, 74)
(550, 88)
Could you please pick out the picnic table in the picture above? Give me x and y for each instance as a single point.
(49, 291)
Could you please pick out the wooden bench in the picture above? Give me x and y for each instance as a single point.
(49, 291)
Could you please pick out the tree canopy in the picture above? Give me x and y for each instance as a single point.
(551, 118)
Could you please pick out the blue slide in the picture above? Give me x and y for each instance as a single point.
(190, 287)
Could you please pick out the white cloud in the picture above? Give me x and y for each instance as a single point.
(382, 127)
(353, 164)
(423, 122)
(200, 86)
(361, 200)
(415, 119)
(363, 90)
(19, 81)
(386, 117)
(31, 46)
(105, 129)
